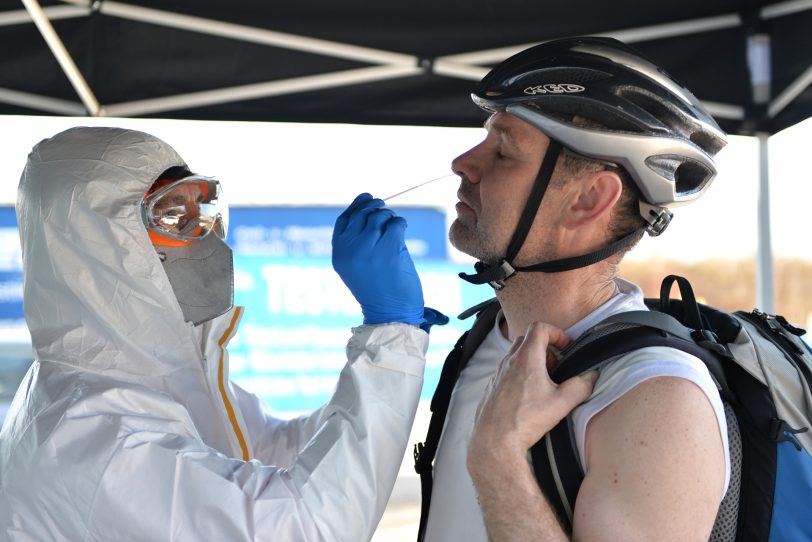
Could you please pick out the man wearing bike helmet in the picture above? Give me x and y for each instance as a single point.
(588, 146)
(127, 426)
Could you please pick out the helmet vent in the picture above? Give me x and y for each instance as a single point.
(707, 142)
(662, 117)
(690, 177)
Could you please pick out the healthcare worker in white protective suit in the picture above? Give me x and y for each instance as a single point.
(126, 427)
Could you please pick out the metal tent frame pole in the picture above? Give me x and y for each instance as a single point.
(43, 103)
(765, 291)
(249, 34)
(63, 57)
(22, 16)
(258, 90)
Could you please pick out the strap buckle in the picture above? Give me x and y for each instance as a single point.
(507, 272)
(495, 275)
(781, 431)
(658, 218)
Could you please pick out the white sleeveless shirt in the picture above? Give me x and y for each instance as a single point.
(455, 514)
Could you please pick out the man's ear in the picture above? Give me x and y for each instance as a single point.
(594, 201)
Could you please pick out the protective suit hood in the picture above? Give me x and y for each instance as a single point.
(95, 293)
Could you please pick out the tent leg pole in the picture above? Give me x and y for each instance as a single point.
(765, 295)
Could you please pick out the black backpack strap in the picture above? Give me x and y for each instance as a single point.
(555, 457)
(692, 318)
(455, 362)
(646, 318)
(680, 325)
(696, 317)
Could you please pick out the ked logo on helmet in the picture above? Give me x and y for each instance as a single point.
(554, 88)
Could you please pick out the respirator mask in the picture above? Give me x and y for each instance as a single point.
(186, 221)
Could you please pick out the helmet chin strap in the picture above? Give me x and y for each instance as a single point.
(496, 274)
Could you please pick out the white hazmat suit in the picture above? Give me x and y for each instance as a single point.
(126, 427)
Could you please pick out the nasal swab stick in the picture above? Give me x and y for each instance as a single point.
(419, 185)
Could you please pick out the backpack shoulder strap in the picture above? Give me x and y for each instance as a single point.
(647, 318)
(456, 361)
(555, 456)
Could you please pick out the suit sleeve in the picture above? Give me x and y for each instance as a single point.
(351, 448)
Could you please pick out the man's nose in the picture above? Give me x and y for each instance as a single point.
(465, 166)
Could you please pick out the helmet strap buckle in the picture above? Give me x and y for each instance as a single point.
(658, 218)
(507, 272)
(495, 275)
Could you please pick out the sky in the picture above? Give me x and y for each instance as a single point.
(329, 164)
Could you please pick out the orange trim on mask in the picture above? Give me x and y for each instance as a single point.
(159, 240)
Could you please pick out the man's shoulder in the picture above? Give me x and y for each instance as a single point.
(650, 360)
(623, 373)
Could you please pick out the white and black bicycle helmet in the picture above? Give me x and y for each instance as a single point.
(652, 127)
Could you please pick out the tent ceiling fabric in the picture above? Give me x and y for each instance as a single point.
(380, 62)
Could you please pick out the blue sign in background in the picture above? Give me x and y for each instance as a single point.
(305, 232)
(291, 343)
(11, 269)
(299, 232)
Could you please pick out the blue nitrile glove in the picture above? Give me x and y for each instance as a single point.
(370, 256)
(432, 317)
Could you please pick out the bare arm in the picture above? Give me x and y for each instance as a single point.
(654, 457)
(655, 466)
(522, 404)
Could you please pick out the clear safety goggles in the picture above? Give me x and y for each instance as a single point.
(187, 209)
